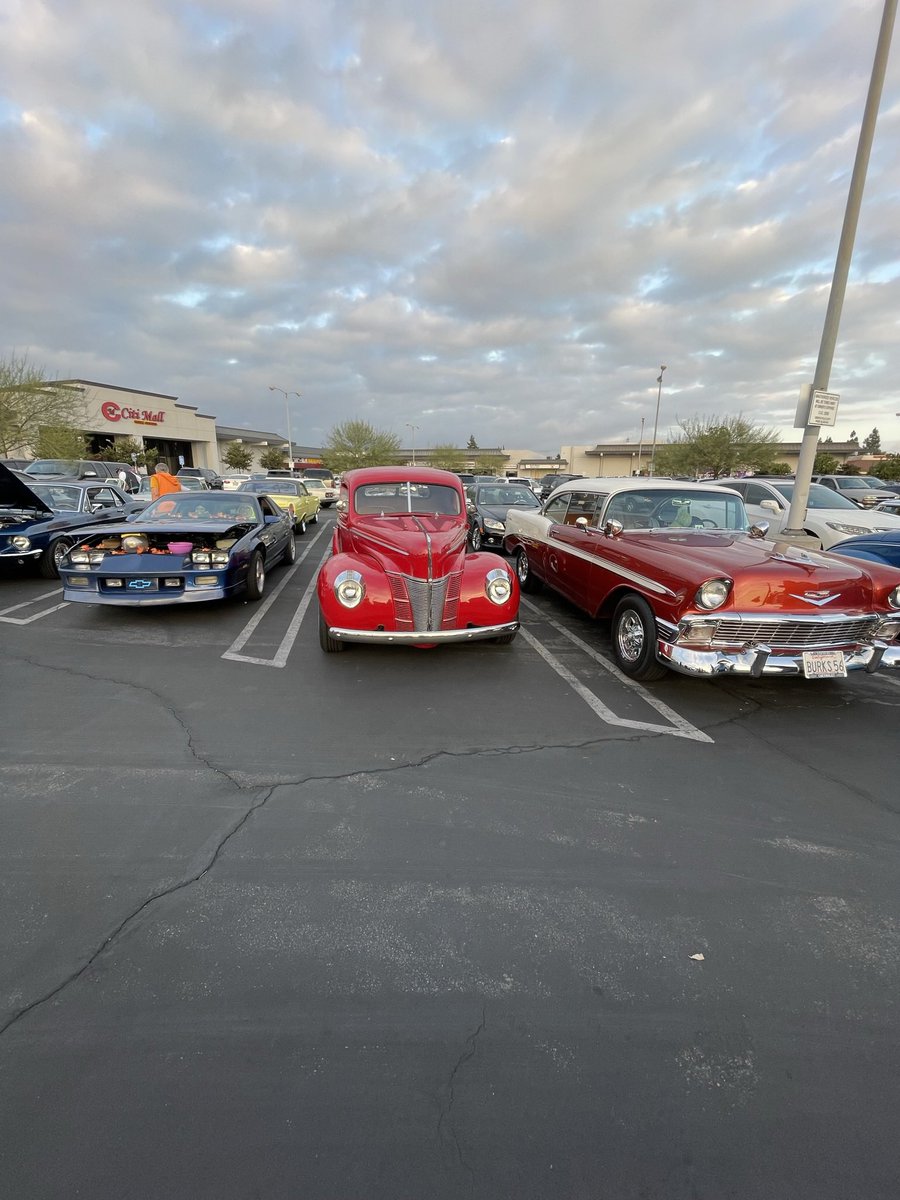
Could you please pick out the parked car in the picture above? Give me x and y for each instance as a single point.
(37, 520)
(70, 468)
(323, 473)
(466, 478)
(181, 549)
(874, 547)
(290, 495)
(889, 506)
(213, 478)
(829, 517)
(855, 488)
(487, 505)
(233, 480)
(193, 483)
(327, 495)
(399, 573)
(550, 482)
(15, 464)
(690, 586)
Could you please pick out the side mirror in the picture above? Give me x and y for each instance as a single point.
(613, 528)
(581, 522)
(88, 474)
(759, 530)
(770, 506)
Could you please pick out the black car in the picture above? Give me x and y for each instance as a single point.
(36, 519)
(487, 506)
(213, 478)
(549, 482)
(71, 468)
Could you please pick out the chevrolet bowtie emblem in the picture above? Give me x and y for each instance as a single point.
(817, 598)
(139, 583)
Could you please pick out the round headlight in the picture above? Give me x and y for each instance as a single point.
(349, 588)
(894, 598)
(21, 543)
(713, 593)
(497, 585)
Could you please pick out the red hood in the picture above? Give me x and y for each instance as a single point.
(765, 573)
(400, 543)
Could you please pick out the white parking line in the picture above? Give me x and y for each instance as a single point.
(233, 652)
(7, 620)
(688, 730)
(679, 726)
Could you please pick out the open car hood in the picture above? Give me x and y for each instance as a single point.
(15, 493)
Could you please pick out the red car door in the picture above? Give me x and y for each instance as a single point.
(576, 533)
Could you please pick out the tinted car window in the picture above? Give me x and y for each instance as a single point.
(755, 493)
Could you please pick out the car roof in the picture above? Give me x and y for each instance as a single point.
(628, 483)
(363, 475)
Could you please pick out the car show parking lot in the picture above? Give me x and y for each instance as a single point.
(481, 920)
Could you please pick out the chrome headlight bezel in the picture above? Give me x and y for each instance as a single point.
(713, 593)
(19, 542)
(894, 598)
(498, 586)
(349, 588)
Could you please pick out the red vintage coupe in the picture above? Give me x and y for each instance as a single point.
(399, 572)
(689, 585)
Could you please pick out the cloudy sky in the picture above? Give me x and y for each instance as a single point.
(488, 217)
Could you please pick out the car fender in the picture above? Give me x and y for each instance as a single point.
(377, 605)
(474, 604)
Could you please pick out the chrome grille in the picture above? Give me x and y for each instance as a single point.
(419, 603)
(796, 634)
(451, 601)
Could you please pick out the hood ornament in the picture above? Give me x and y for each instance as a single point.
(819, 599)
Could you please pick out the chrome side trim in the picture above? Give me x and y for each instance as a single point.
(643, 581)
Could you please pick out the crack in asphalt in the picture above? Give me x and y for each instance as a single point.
(447, 1110)
(128, 920)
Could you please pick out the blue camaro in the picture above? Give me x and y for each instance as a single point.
(37, 520)
(184, 547)
(883, 547)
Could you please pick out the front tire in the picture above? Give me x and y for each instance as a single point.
(256, 576)
(329, 644)
(314, 519)
(290, 551)
(301, 526)
(527, 581)
(48, 563)
(634, 640)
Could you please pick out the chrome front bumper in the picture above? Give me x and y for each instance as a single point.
(422, 637)
(757, 661)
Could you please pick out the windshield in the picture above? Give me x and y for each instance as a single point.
(852, 483)
(59, 497)
(208, 507)
(672, 508)
(819, 496)
(871, 481)
(383, 499)
(53, 466)
(506, 497)
(317, 473)
(273, 487)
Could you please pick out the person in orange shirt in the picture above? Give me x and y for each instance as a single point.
(162, 482)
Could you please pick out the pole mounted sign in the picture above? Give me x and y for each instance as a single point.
(816, 407)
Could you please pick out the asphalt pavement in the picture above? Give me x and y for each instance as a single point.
(482, 921)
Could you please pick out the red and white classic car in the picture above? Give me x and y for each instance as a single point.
(690, 585)
(399, 572)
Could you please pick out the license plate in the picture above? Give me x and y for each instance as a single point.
(824, 664)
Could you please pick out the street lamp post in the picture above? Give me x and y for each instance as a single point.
(413, 428)
(641, 447)
(656, 418)
(287, 413)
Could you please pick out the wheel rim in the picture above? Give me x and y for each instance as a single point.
(630, 636)
(476, 539)
(302, 525)
(259, 574)
(522, 566)
(59, 551)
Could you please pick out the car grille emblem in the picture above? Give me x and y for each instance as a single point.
(819, 599)
(139, 583)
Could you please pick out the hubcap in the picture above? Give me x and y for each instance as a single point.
(630, 636)
(58, 551)
(522, 567)
(476, 539)
(260, 574)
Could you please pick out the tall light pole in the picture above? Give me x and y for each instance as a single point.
(656, 419)
(641, 447)
(413, 428)
(287, 413)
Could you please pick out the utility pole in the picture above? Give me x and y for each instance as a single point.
(656, 420)
(797, 514)
(413, 428)
(640, 447)
(287, 413)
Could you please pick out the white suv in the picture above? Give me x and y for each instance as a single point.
(829, 517)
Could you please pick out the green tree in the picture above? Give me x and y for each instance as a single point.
(780, 468)
(29, 399)
(853, 437)
(447, 457)
(60, 441)
(238, 456)
(489, 464)
(273, 458)
(471, 444)
(872, 444)
(889, 468)
(825, 464)
(718, 446)
(359, 444)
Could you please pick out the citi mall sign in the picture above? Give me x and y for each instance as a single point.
(140, 416)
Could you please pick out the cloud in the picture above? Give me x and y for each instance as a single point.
(501, 219)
